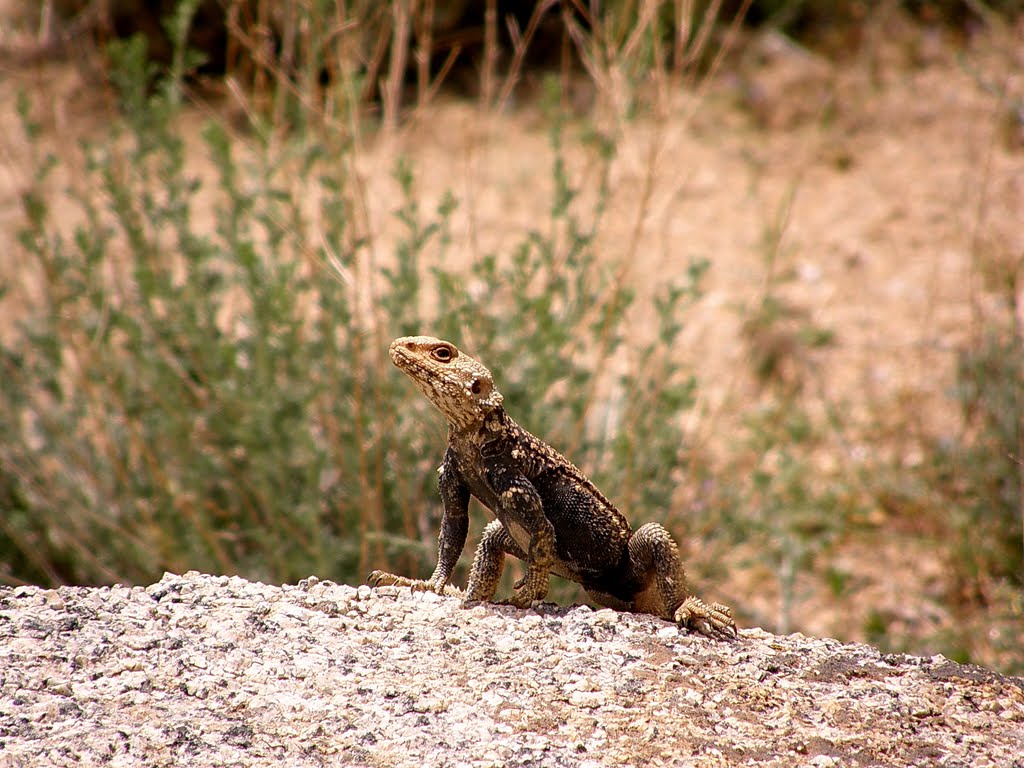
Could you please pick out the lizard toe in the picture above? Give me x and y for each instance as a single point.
(380, 579)
(385, 579)
(713, 620)
(532, 588)
(520, 601)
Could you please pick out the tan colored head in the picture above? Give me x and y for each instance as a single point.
(458, 386)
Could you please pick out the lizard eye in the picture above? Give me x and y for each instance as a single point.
(444, 354)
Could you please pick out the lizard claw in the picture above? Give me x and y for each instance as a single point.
(713, 620)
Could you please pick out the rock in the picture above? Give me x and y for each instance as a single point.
(202, 670)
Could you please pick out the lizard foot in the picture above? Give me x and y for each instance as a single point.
(529, 589)
(385, 579)
(713, 620)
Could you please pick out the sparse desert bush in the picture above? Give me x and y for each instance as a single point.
(222, 400)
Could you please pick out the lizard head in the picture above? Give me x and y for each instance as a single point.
(458, 386)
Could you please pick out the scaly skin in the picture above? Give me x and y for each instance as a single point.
(547, 512)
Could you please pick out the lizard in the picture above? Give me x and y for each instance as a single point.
(547, 512)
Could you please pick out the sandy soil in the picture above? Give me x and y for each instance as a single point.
(895, 178)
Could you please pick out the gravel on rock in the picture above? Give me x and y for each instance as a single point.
(208, 670)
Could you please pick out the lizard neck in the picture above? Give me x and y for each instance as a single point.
(493, 423)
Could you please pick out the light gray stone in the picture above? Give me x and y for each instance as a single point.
(209, 670)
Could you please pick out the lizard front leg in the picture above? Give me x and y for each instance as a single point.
(489, 561)
(450, 542)
(520, 504)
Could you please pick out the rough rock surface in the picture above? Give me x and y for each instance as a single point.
(205, 670)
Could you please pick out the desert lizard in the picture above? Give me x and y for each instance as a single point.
(547, 512)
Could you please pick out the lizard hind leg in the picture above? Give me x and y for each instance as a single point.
(489, 561)
(655, 562)
(657, 570)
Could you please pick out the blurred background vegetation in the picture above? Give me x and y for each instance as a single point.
(200, 380)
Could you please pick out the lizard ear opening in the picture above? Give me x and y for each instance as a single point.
(480, 387)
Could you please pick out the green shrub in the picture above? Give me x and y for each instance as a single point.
(982, 474)
(221, 399)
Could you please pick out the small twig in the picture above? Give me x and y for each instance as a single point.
(392, 88)
(490, 53)
(55, 39)
(424, 50)
(520, 44)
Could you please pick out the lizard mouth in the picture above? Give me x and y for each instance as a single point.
(406, 361)
(408, 365)
(399, 355)
(423, 376)
(398, 351)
